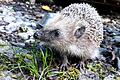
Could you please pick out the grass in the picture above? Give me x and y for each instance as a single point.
(39, 65)
(34, 64)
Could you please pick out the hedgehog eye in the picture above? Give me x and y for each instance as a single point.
(55, 33)
(79, 32)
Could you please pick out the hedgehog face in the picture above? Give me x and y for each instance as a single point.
(62, 33)
(47, 35)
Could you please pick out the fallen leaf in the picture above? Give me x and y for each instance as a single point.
(47, 8)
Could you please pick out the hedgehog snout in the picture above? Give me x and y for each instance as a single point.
(43, 35)
(38, 34)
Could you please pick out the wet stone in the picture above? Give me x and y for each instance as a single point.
(18, 8)
(9, 19)
(3, 23)
(117, 39)
(1, 11)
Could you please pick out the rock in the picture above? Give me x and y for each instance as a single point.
(21, 45)
(106, 20)
(109, 29)
(47, 18)
(103, 50)
(18, 13)
(24, 36)
(7, 78)
(113, 21)
(38, 14)
(1, 18)
(118, 63)
(7, 75)
(3, 43)
(110, 77)
(1, 11)
(11, 27)
(117, 39)
(32, 1)
(83, 77)
(3, 23)
(28, 34)
(23, 28)
(87, 77)
(39, 26)
(18, 8)
(20, 50)
(27, 16)
(33, 25)
(30, 41)
(5, 47)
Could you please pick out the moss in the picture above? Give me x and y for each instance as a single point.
(72, 74)
(102, 69)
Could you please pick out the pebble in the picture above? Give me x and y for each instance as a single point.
(22, 45)
(118, 63)
(6, 75)
(47, 18)
(106, 20)
(13, 17)
(111, 42)
(17, 28)
(109, 77)
(9, 19)
(4, 45)
(24, 36)
(117, 39)
(30, 40)
(7, 78)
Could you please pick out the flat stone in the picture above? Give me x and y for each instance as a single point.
(30, 41)
(9, 19)
(48, 17)
(4, 46)
(3, 23)
(117, 38)
(18, 44)
(11, 27)
(24, 36)
(109, 77)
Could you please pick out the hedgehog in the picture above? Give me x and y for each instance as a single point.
(77, 30)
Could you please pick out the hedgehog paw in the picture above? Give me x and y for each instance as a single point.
(81, 67)
(64, 66)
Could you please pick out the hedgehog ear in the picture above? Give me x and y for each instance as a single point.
(79, 32)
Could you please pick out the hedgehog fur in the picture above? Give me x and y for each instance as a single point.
(76, 30)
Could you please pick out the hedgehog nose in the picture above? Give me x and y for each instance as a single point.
(38, 34)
